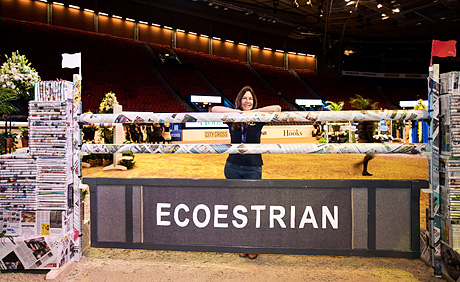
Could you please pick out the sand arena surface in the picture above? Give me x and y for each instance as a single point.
(141, 265)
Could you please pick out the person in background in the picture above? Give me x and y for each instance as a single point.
(245, 166)
(133, 132)
(166, 133)
(149, 132)
(366, 130)
(157, 131)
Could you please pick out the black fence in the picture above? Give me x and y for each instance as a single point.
(372, 218)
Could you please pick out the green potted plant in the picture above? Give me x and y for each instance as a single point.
(10, 140)
(24, 136)
(88, 131)
(107, 159)
(127, 160)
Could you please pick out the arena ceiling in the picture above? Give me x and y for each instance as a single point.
(350, 19)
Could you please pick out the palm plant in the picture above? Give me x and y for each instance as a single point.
(361, 103)
(6, 96)
(334, 106)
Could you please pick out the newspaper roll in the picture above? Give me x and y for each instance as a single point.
(360, 148)
(149, 117)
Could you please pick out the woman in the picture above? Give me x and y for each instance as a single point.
(246, 166)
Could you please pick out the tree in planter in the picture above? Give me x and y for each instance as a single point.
(332, 106)
(106, 107)
(360, 103)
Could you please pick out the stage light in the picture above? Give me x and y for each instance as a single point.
(295, 4)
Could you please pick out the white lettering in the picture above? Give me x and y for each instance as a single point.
(201, 216)
(258, 208)
(161, 213)
(333, 220)
(240, 216)
(278, 217)
(306, 219)
(207, 218)
(218, 215)
(176, 215)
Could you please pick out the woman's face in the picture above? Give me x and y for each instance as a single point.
(247, 101)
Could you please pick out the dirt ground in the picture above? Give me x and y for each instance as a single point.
(141, 265)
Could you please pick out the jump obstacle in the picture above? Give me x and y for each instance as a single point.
(312, 217)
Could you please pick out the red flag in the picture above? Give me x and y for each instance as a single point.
(443, 49)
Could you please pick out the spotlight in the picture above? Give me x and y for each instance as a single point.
(295, 4)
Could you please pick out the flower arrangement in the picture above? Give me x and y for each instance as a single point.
(17, 74)
(106, 106)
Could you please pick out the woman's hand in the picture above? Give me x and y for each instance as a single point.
(221, 109)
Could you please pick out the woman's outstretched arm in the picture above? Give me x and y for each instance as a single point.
(222, 109)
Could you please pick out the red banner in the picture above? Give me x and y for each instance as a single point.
(443, 49)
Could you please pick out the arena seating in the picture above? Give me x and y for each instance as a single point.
(186, 81)
(284, 82)
(333, 88)
(126, 67)
(109, 63)
(229, 76)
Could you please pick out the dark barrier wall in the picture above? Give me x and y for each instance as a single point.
(317, 217)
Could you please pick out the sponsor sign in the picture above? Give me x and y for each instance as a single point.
(311, 218)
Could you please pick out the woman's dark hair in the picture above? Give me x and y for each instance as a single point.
(238, 105)
(240, 95)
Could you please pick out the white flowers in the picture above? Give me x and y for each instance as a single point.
(17, 74)
(107, 103)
